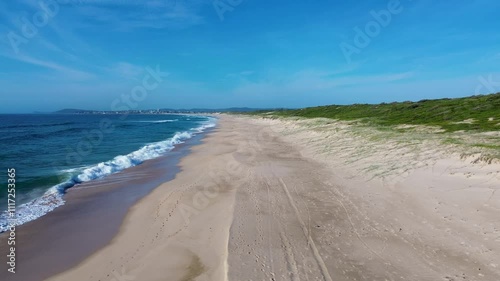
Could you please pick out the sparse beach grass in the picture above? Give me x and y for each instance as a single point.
(476, 113)
(468, 126)
(397, 149)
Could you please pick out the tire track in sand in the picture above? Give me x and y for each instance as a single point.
(310, 241)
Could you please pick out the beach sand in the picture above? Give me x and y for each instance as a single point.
(265, 199)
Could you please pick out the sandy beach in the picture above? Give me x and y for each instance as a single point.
(264, 199)
(226, 140)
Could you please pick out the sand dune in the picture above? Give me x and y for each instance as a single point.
(265, 199)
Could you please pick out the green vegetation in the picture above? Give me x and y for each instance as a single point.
(476, 113)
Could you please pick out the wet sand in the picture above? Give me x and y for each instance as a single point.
(265, 200)
(309, 200)
(89, 220)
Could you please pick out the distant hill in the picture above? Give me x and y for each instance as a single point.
(163, 110)
(71, 111)
(205, 110)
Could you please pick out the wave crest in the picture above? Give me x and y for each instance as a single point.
(53, 197)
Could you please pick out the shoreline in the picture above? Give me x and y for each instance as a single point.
(287, 200)
(262, 200)
(90, 218)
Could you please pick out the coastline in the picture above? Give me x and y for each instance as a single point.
(179, 230)
(89, 219)
(263, 199)
(260, 200)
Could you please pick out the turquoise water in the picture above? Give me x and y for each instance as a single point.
(52, 153)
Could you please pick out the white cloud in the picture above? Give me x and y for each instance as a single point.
(157, 14)
(247, 72)
(126, 69)
(68, 71)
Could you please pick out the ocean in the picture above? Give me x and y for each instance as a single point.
(52, 153)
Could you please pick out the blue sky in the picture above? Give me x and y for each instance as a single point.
(89, 53)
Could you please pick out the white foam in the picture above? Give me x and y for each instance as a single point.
(34, 209)
(122, 162)
(53, 197)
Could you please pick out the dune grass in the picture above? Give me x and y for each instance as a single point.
(476, 113)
